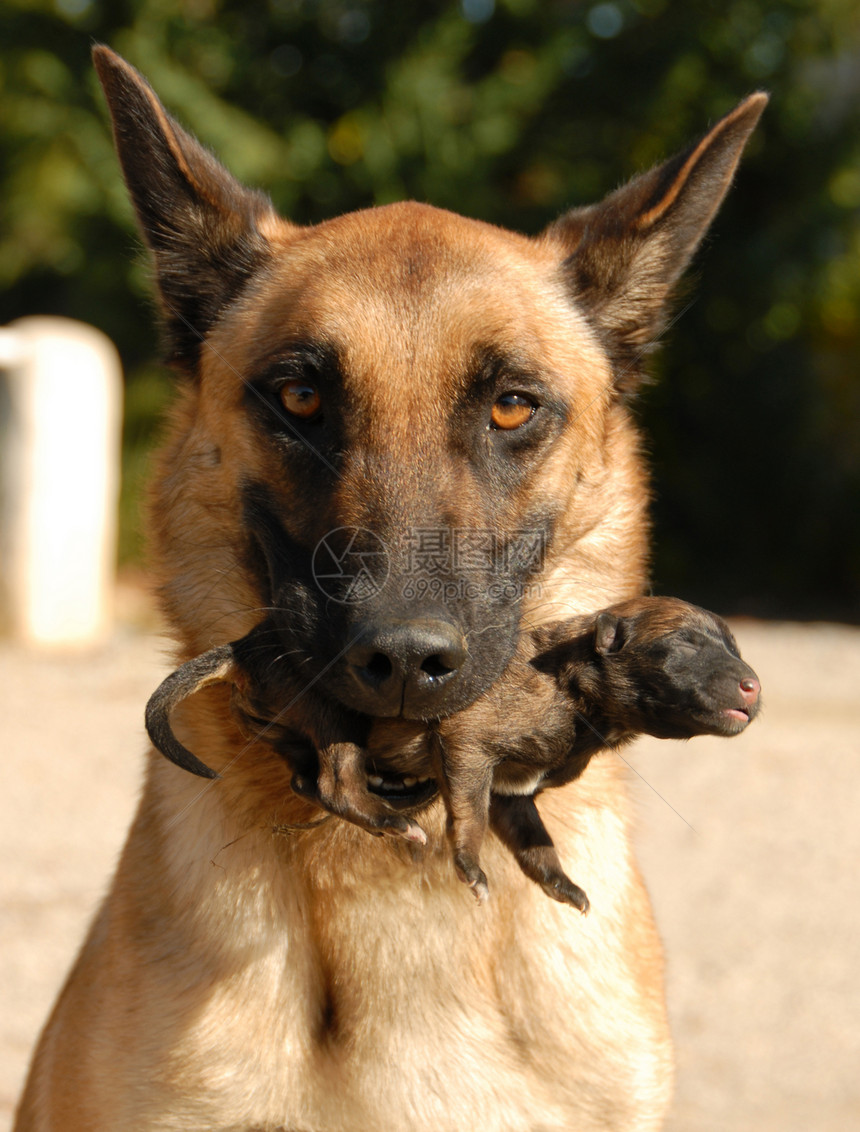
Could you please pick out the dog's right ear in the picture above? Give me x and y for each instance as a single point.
(206, 232)
(608, 633)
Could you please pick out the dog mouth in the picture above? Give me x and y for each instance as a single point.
(739, 714)
(726, 721)
(401, 791)
(733, 720)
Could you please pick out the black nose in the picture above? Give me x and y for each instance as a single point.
(405, 667)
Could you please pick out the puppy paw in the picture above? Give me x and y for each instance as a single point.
(471, 874)
(562, 889)
(366, 811)
(397, 824)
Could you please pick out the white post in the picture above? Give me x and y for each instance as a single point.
(60, 406)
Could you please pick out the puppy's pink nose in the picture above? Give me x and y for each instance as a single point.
(750, 689)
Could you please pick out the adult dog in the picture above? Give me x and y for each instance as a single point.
(386, 374)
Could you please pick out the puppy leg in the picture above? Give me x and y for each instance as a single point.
(466, 790)
(515, 820)
(341, 789)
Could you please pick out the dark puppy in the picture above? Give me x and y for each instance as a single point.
(653, 665)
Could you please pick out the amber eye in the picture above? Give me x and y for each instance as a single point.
(512, 410)
(300, 399)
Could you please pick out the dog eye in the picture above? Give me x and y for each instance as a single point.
(512, 410)
(300, 399)
(685, 648)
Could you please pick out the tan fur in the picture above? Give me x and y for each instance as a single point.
(242, 977)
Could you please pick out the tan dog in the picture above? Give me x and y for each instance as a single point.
(355, 386)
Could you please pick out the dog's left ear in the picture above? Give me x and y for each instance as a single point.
(623, 256)
(205, 230)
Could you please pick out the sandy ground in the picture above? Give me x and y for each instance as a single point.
(750, 849)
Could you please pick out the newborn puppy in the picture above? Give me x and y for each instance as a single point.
(654, 665)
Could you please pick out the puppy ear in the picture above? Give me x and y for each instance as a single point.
(624, 255)
(608, 633)
(204, 229)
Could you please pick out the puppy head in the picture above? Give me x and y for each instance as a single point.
(678, 667)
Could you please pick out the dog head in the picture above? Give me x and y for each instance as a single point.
(400, 431)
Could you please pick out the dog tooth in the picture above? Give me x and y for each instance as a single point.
(409, 780)
(374, 779)
(423, 777)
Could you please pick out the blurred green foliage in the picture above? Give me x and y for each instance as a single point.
(508, 110)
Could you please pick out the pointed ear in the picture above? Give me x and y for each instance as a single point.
(608, 633)
(623, 256)
(206, 231)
